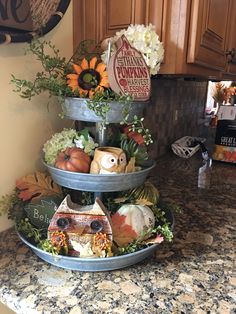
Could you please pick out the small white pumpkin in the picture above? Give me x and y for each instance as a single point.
(139, 217)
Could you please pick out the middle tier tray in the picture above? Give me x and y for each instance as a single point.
(77, 109)
(99, 182)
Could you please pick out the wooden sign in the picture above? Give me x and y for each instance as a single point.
(81, 224)
(128, 72)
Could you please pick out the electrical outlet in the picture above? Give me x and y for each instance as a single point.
(176, 115)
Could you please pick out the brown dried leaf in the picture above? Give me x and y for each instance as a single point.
(36, 185)
(143, 201)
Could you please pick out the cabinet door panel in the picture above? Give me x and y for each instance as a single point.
(231, 41)
(117, 15)
(207, 33)
(120, 14)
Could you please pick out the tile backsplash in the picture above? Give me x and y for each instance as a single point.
(176, 109)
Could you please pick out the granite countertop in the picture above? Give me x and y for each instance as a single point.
(193, 274)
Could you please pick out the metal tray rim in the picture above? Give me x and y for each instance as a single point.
(81, 259)
(91, 175)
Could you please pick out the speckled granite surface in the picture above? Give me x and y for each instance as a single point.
(194, 274)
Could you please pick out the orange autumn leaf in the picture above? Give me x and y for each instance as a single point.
(36, 185)
(123, 234)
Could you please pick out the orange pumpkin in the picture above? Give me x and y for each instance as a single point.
(73, 159)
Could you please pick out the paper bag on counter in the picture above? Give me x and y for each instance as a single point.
(225, 139)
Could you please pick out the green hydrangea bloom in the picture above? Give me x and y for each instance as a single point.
(59, 142)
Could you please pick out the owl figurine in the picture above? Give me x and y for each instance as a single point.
(108, 160)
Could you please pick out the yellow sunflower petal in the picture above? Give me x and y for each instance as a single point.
(72, 86)
(92, 63)
(101, 67)
(84, 64)
(104, 82)
(92, 92)
(99, 88)
(82, 91)
(104, 74)
(72, 82)
(77, 68)
(72, 76)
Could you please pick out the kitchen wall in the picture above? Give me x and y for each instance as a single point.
(26, 125)
(176, 109)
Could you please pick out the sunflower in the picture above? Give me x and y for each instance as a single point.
(59, 241)
(101, 245)
(89, 77)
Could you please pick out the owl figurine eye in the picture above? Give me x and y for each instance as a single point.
(122, 159)
(108, 161)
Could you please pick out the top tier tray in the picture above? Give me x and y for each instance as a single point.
(77, 109)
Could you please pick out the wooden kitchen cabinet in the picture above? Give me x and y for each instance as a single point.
(99, 19)
(196, 37)
(196, 33)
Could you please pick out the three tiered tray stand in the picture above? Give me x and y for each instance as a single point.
(76, 109)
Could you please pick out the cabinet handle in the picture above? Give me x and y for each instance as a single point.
(231, 55)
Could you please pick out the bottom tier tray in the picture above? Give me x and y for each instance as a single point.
(96, 264)
(99, 182)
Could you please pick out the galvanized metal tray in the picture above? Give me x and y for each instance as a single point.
(96, 264)
(99, 182)
(77, 109)
(91, 264)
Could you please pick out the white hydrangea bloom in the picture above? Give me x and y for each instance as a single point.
(145, 40)
(87, 145)
(80, 142)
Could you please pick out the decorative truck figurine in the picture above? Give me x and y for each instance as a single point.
(83, 231)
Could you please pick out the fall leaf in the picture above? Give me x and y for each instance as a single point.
(157, 239)
(123, 234)
(119, 200)
(36, 185)
(143, 201)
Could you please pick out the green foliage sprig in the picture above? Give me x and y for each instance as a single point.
(100, 104)
(36, 235)
(46, 245)
(138, 126)
(29, 231)
(12, 205)
(51, 79)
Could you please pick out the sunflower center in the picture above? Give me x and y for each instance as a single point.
(89, 79)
